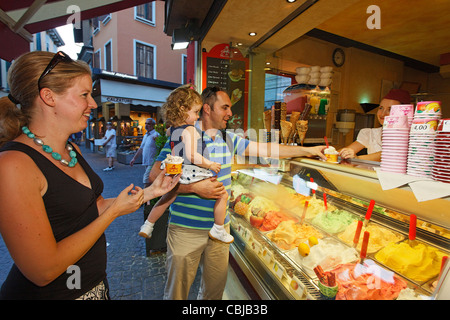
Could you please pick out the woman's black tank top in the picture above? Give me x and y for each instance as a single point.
(70, 207)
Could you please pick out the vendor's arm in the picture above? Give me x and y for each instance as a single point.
(376, 156)
(275, 150)
(351, 150)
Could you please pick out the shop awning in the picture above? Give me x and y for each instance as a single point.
(115, 87)
(19, 20)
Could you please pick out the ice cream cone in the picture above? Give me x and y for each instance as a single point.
(294, 118)
(286, 128)
(302, 128)
(283, 111)
(267, 116)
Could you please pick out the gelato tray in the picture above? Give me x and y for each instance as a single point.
(328, 253)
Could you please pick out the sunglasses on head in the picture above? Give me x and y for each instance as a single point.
(57, 58)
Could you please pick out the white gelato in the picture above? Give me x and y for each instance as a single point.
(328, 253)
(330, 150)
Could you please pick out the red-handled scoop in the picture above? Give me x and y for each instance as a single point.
(357, 233)
(412, 227)
(312, 190)
(365, 243)
(325, 201)
(326, 141)
(369, 212)
(304, 212)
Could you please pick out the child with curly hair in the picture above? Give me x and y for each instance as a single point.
(181, 111)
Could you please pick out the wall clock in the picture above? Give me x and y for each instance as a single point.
(338, 57)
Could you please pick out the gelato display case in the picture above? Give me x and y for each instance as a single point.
(321, 230)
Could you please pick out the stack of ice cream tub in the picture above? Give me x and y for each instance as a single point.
(421, 138)
(441, 170)
(395, 137)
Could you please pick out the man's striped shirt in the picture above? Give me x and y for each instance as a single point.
(192, 211)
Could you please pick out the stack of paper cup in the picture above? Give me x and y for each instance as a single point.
(441, 170)
(326, 74)
(314, 75)
(421, 138)
(403, 110)
(394, 142)
(302, 74)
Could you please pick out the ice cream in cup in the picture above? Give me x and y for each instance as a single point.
(173, 164)
(331, 154)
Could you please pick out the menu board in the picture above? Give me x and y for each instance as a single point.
(228, 71)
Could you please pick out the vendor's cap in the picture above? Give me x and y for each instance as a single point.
(399, 95)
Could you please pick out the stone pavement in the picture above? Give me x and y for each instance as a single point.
(131, 274)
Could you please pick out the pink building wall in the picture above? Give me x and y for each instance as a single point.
(123, 30)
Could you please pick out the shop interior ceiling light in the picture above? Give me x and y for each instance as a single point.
(180, 39)
(252, 34)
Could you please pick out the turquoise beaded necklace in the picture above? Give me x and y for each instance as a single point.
(55, 155)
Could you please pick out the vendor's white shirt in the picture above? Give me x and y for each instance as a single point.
(371, 139)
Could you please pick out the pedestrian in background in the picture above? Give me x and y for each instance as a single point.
(110, 145)
(52, 213)
(147, 149)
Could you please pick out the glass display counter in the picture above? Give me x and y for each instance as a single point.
(278, 244)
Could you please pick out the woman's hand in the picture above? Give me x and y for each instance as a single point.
(161, 185)
(347, 153)
(128, 201)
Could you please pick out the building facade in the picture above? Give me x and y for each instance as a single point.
(134, 68)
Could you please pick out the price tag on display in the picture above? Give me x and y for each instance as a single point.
(445, 126)
(266, 255)
(421, 128)
(297, 286)
(246, 234)
(256, 246)
(427, 126)
(278, 269)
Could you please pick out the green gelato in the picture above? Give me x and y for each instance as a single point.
(334, 221)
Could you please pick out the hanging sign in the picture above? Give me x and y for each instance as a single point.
(227, 68)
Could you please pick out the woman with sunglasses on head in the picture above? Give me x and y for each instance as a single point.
(52, 213)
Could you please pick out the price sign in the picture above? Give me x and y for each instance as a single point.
(266, 255)
(227, 68)
(297, 287)
(278, 269)
(445, 126)
(428, 127)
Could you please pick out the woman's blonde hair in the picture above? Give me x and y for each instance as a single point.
(23, 78)
(173, 112)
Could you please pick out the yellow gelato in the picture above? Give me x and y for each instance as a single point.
(418, 262)
(290, 234)
(379, 236)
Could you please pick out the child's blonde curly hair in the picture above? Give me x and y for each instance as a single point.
(179, 102)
